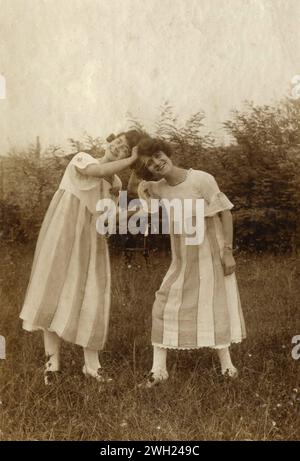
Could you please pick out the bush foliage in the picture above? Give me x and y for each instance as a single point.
(259, 172)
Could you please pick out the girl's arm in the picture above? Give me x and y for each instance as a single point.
(218, 203)
(110, 168)
(133, 183)
(227, 259)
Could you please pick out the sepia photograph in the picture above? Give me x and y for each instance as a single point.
(149, 223)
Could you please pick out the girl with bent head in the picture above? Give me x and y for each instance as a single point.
(68, 295)
(198, 303)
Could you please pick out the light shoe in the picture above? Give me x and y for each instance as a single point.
(51, 377)
(99, 375)
(153, 379)
(231, 373)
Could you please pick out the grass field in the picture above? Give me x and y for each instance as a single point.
(196, 403)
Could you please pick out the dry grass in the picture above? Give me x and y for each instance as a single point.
(196, 404)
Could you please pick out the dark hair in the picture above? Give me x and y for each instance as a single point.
(133, 137)
(148, 147)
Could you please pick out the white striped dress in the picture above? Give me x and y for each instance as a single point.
(69, 287)
(196, 305)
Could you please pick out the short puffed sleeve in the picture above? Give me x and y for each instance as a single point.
(79, 162)
(207, 187)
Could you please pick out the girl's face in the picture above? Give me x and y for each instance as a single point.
(118, 149)
(159, 164)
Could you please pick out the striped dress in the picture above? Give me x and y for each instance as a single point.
(69, 287)
(196, 305)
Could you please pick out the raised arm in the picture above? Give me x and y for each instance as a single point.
(110, 168)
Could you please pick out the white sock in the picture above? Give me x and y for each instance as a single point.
(159, 367)
(91, 360)
(225, 360)
(52, 350)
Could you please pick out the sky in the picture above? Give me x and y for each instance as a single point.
(75, 66)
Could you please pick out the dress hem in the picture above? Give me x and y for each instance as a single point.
(211, 346)
(32, 328)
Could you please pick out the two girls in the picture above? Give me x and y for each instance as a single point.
(68, 296)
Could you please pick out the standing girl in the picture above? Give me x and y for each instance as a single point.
(68, 296)
(198, 303)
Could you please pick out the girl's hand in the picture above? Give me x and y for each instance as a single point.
(228, 262)
(134, 154)
(146, 192)
(114, 191)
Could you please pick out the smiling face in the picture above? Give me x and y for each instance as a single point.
(118, 149)
(159, 164)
